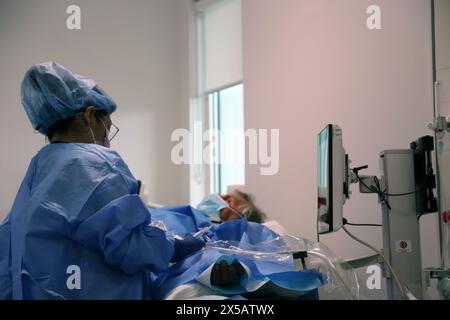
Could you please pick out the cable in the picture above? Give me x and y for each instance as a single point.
(397, 281)
(377, 183)
(345, 221)
(364, 224)
(377, 189)
(412, 192)
(382, 193)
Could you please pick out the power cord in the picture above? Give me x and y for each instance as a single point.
(375, 189)
(425, 181)
(345, 221)
(382, 193)
(396, 279)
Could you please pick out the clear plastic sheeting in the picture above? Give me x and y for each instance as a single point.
(161, 225)
(158, 224)
(341, 281)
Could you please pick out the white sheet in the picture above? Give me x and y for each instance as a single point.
(275, 226)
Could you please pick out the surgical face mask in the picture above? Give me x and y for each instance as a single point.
(106, 143)
(211, 206)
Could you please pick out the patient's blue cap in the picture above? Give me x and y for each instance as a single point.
(50, 93)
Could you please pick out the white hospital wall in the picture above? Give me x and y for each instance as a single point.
(136, 50)
(308, 63)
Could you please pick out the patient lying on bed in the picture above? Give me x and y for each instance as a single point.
(245, 256)
(231, 206)
(241, 258)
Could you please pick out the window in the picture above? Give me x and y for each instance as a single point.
(226, 109)
(220, 102)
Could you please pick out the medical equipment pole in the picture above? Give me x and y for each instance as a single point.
(401, 236)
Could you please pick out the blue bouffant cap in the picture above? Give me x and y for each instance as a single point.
(51, 93)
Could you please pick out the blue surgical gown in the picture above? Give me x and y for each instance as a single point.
(78, 230)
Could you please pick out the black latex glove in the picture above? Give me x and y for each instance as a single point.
(224, 274)
(186, 247)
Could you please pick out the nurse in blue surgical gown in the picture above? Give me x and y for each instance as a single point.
(77, 228)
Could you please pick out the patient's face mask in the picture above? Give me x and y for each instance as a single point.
(212, 204)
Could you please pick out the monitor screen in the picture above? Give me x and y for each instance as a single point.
(323, 180)
(331, 179)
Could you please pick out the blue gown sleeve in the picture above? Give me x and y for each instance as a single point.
(5, 256)
(121, 231)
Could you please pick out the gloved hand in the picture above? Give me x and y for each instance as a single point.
(185, 247)
(224, 274)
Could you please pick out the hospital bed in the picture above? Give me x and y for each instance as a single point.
(277, 265)
(282, 260)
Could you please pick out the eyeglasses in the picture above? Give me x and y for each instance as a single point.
(112, 131)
